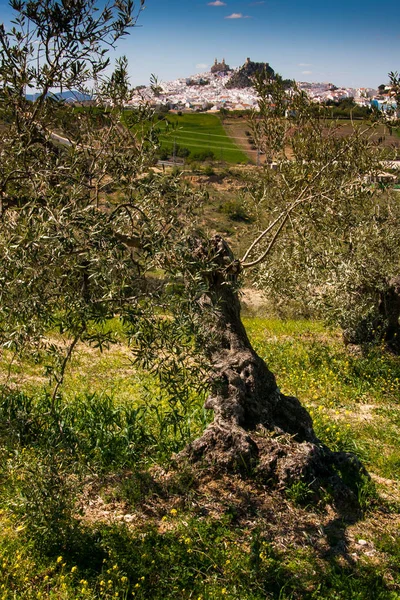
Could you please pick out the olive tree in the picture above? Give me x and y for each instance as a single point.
(88, 231)
(336, 257)
(394, 82)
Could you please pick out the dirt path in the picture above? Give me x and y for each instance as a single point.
(236, 129)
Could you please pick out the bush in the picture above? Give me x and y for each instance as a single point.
(182, 152)
(203, 155)
(42, 493)
(209, 171)
(235, 211)
(163, 154)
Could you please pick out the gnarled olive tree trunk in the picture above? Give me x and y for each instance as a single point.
(383, 326)
(389, 312)
(255, 426)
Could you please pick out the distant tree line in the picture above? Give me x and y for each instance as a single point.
(165, 153)
(346, 108)
(191, 82)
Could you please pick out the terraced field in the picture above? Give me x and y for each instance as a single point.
(199, 133)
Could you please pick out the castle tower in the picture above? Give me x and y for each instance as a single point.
(220, 67)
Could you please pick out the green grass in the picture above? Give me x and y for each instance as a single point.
(201, 132)
(206, 559)
(72, 473)
(352, 398)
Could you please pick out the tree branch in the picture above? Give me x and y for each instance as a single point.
(285, 214)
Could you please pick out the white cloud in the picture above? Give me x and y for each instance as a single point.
(304, 65)
(237, 16)
(201, 66)
(217, 3)
(306, 72)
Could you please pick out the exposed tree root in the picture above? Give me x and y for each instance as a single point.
(280, 461)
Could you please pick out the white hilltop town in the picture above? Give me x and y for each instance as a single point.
(208, 91)
(204, 91)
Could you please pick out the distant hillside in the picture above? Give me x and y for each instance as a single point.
(69, 96)
(242, 78)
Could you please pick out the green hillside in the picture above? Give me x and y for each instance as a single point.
(198, 134)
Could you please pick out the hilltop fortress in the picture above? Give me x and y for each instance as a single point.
(242, 78)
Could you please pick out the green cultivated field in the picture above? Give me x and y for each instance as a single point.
(199, 133)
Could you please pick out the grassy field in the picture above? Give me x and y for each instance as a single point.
(228, 141)
(122, 523)
(236, 129)
(202, 132)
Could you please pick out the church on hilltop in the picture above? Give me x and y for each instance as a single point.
(221, 67)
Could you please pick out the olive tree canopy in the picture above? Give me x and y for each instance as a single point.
(336, 255)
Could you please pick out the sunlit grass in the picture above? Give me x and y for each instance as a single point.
(200, 132)
(345, 393)
(113, 421)
(353, 399)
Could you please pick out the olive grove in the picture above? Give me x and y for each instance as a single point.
(89, 232)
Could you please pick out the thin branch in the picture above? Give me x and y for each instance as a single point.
(128, 206)
(60, 379)
(262, 235)
(286, 213)
(270, 246)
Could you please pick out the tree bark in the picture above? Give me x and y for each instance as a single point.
(389, 311)
(384, 326)
(256, 428)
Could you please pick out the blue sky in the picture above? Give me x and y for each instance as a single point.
(350, 43)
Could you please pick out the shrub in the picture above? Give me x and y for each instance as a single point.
(203, 155)
(41, 493)
(182, 152)
(209, 171)
(235, 210)
(163, 154)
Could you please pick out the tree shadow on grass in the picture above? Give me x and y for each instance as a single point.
(198, 557)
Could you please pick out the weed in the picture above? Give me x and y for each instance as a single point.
(41, 493)
(299, 493)
(367, 494)
(209, 171)
(89, 429)
(110, 420)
